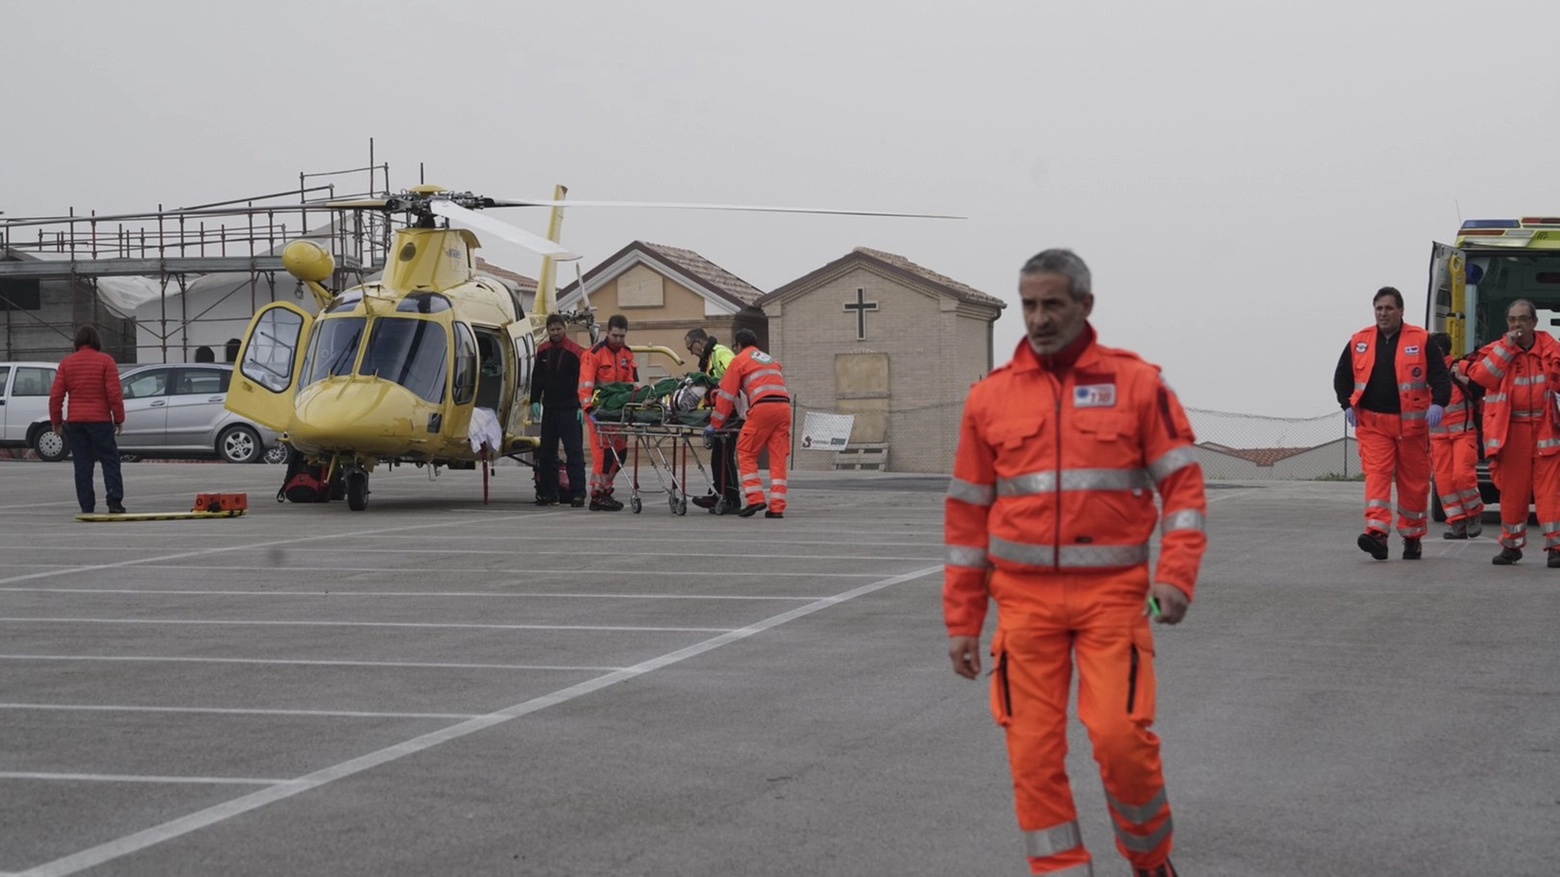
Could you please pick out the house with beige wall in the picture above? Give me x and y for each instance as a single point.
(894, 343)
(663, 291)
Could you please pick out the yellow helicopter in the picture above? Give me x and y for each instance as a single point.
(407, 368)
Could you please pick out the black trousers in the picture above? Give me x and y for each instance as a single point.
(723, 470)
(94, 443)
(560, 423)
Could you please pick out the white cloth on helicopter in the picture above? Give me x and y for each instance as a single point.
(484, 430)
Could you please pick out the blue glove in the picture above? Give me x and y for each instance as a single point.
(1348, 415)
(536, 411)
(1433, 416)
(709, 431)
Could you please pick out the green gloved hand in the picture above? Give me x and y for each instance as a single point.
(536, 411)
(579, 416)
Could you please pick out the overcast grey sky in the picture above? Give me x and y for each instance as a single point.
(1241, 175)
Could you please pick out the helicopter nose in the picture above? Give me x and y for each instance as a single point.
(359, 413)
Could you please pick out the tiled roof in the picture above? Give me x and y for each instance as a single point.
(959, 290)
(703, 269)
(521, 282)
(1260, 456)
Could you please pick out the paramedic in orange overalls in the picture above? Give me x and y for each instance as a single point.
(756, 376)
(1520, 372)
(1392, 389)
(1454, 451)
(1050, 513)
(607, 361)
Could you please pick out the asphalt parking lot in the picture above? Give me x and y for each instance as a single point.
(432, 686)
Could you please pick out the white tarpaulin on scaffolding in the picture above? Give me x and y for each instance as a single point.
(826, 432)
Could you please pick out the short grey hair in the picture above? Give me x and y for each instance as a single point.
(1532, 311)
(1067, 264)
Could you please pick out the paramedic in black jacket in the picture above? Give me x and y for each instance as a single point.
(555, 402)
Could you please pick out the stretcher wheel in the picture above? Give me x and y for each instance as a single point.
(636, 505)
(680, 506)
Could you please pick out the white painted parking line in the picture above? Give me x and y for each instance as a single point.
(229, 711)
(199, 592)
(140, 840)
(182, 659)
(134, 778)
(435, 624)
(337, 550)
(442, 570)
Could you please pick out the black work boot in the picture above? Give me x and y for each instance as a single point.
(1456, 530)
(1554, 558)
(755, 508)
(1473, 525)
(1374, 544)
(1507, 557)
(1412, 549)
(1165, 870)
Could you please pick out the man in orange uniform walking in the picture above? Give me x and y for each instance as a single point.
(756, 376)
(1520, 373)
(607, 361)
(1454, 452)
(1392, 389)
(1049, 513)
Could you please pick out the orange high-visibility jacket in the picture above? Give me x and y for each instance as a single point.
(1412, 366)
(1056, 473)
(1521, 384)
(756, 376)
(601, 365)
(1459, 412)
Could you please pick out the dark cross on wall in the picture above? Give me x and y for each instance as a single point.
(861, 306)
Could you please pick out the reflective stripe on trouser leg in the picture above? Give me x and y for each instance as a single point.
(1030, 682)
(1116, 701)
(1413, 485)
(1546, 492)
(1465, 473)
(1448, 490)
(1378, 453)
(1512, 470)
(748, 446)
(603, 458)
(775, 432)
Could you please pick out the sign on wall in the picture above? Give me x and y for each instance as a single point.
(826, 432)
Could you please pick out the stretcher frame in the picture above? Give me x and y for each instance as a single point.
(666, 447)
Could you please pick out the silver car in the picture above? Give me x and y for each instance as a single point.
(176, 410)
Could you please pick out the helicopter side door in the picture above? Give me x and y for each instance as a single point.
(270, 360)
(525, 358)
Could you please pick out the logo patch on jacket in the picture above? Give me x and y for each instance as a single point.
(1415, 372)
(1411, 350)
(1094, 396)
(1362, 347)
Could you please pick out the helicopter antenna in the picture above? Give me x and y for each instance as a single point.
(421, 177)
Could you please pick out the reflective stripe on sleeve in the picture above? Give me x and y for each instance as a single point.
(1172, 461)
(1525, 380)
(1185, 519)
(967, 556)
(970, 492)
(1053, 840)
(1501, 351)
(1494, 369)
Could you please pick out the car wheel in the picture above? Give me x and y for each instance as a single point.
(239, 444)
(49, 447)
(276, 453)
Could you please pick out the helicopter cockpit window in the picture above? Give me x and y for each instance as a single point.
(465, 364)
(413, 353)
(268, 360)
(333, 348)
(423, 303)
(345, 302)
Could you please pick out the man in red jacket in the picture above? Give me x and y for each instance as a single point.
(1050, 512)
(97, 412)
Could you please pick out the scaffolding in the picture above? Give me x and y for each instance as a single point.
(52, 267)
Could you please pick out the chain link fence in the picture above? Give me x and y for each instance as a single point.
(1230, 446)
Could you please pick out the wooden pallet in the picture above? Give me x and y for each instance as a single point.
(864, 456)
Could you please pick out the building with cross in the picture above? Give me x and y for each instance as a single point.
(895, 344)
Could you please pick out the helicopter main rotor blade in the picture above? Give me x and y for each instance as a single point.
(670, 205)
(498, 228)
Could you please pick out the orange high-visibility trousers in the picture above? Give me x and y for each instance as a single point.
(607, 452)
(1387, 455)
(1523, 477)
(1455, 457)
(768, 425)
(1046, 622)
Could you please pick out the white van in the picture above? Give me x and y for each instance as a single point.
(24, 408)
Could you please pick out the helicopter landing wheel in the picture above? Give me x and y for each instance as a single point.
(357, 490)
(636, 505)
